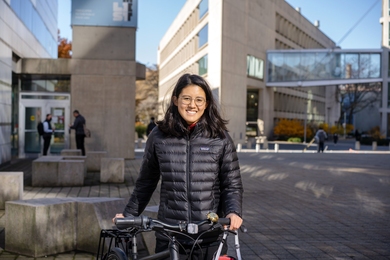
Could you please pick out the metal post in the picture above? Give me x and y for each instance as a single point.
(304, 133)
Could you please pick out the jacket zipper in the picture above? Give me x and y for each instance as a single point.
(188, 181)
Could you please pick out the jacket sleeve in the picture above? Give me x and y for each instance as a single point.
(146, 183)
(230, 180)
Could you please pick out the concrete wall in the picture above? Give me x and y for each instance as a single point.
(103, 87)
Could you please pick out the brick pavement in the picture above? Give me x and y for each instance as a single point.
(296, 206)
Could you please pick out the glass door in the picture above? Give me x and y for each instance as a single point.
(58, 123)
(33, 108)
(33, 115)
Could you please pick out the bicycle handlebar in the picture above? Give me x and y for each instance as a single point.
(148, 223)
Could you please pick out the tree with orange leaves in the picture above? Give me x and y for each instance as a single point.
(64, 47)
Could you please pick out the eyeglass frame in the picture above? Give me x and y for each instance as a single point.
(204, 101)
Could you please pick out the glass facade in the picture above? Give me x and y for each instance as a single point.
(388, 125)
(203, 36)
(252, 112)
(40, 20)
(254, 67)
(388, 70)
(203, 65)
(203, 8)
(252, 99)
(322, 65)
(388, 94)
(389, 31)
(45, 83)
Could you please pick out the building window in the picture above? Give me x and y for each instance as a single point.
(45, 83)
(388, 95)
(203, 8)
(203, 36)
(34, 22)
(203, 65)
(254, 67)
(388, 70)
(252, 112)
(388, 124)
(388, 6)
(389, 33)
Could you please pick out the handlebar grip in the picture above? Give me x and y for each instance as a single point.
(131, 221)
(224, 221)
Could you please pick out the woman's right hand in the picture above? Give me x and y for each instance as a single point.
(119, 215)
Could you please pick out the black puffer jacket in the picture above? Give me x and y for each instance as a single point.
(198, 175)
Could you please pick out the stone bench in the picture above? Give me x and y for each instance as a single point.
(11, 187)
(49, 171)
(112, 170)
(71, 152)
(94, 160)
(48, 226)
(77, 157)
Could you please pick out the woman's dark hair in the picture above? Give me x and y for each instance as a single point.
(211, 122)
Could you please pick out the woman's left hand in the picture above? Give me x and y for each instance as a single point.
(235, 221)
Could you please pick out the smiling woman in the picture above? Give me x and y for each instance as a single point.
(193, 155)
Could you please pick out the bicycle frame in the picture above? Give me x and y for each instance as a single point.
(123, 242)
(236, 244)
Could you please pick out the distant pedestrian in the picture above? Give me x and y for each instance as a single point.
(320, 137)
(78, 126)
(151, 125)
(335, 138)
(357, 135)
(48, 131)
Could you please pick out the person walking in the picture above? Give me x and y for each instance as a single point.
(48, 130)
(357, 135)
(193, 155)
(150, 127)
(321, 137)
(78, 126)
(335, 138)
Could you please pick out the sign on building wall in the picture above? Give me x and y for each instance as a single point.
(105, 12)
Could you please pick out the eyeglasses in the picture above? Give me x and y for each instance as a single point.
(186, 100)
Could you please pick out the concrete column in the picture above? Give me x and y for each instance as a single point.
(103, 69)
(257, 147)
(276, 148)
(374, 145)
(357, 145)
(239, 146)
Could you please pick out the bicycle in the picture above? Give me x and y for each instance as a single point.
(123, 240)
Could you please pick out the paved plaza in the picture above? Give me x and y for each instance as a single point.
(296, 205)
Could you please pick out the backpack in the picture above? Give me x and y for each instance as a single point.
(40, 128)
(321, 136)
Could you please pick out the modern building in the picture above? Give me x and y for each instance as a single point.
(28, 29)
(227, 42)
(385, 104)
(99, 80)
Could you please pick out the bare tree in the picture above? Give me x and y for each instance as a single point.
(356, 97)
(146, 95)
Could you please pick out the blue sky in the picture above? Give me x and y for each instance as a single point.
(344, 21)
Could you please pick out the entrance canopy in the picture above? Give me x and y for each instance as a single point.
(319, 67)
